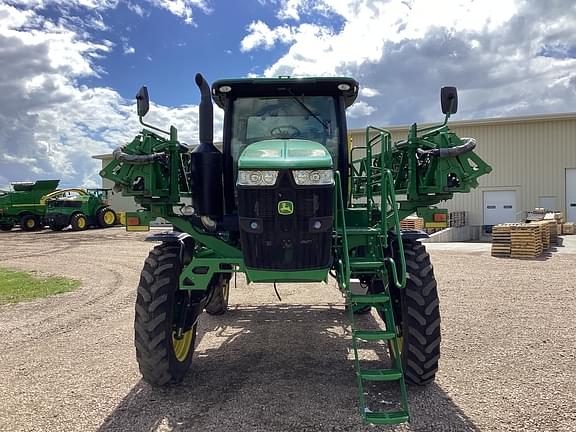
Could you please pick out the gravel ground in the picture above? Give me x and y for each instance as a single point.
(67, 362)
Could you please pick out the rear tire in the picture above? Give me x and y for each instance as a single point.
(417, 313)
(29, 222)
(79, 222)
(218, 304)
(106, 217)
(162, 359)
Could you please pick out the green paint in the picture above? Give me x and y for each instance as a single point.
(283, 154)
(318, 275)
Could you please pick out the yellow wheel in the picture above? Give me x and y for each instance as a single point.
(29, 222)
(79, 222)
(106, 217)
(182, 346)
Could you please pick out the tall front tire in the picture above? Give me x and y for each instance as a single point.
(163, 357)
(417, 314)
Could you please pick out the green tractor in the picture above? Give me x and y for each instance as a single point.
(22, 205)
(79, 208)
(286, 201)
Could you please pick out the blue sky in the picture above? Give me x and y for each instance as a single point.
(69, 69)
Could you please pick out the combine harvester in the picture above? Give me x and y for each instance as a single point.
(23, 205)
(284, 203)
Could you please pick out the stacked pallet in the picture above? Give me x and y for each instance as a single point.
(501, 240)
(412, 223)
(553, 231)
(457, 219)
(525, 241)
(569, 228)
(544, 233)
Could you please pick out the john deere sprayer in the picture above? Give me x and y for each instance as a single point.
(286, 201)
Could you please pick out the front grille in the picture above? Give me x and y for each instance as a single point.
(286, 242)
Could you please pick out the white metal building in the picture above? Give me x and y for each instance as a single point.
(533, 160)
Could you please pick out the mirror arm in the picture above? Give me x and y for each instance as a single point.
(152, 127)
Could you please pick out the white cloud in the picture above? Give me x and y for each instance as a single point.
(50, 126)
(263, 36)
(369, 92)
(182, 8)
(507, 57)
(360, 109)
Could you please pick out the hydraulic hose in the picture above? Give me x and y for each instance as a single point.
(120, 156)
(469, 144)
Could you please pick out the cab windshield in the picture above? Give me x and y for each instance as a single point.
(288, 117)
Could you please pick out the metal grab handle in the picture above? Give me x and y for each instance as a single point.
(469, 144)
(119, 155)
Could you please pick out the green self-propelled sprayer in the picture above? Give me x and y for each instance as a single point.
(287, 201)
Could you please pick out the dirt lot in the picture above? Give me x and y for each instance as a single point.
(67, 362)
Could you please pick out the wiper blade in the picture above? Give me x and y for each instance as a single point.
(308, 110)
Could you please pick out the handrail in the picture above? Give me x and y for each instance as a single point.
(392, 196)
(345, 254)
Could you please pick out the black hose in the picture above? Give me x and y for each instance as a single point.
(120, 156)
(469, 145)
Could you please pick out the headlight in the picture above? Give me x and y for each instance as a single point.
(313, 177)
(256, 178)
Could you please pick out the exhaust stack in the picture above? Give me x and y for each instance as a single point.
(206, 160)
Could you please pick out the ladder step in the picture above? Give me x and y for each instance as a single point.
(369, 299)
(380, 374)
(372, 335)
(362, 231)
(387, 418)
(366, 264)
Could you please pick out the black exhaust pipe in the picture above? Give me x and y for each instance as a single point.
(206, 160)
(205, 112)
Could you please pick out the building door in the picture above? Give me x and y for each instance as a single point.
(499, 207)
(571, 194)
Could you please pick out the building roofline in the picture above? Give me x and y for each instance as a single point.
(488, 121)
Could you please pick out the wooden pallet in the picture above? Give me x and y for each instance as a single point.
(412, 223)
(569, 228)
(501, 241)
(545, 233)
(525, 241)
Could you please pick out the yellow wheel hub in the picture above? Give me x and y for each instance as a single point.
(81, 222)
(30, 223)
(182, 346)
(109, 217)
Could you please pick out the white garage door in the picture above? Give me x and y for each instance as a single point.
(499, 207)
(571, 194)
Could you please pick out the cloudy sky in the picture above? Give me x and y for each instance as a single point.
(69, 68)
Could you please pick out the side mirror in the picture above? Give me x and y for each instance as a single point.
(449, 100)
(142, 101)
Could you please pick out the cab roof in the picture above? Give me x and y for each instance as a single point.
(258, 87)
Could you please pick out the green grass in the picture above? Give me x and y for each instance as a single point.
(17, 286)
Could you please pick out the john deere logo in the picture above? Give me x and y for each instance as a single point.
(285, 207)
